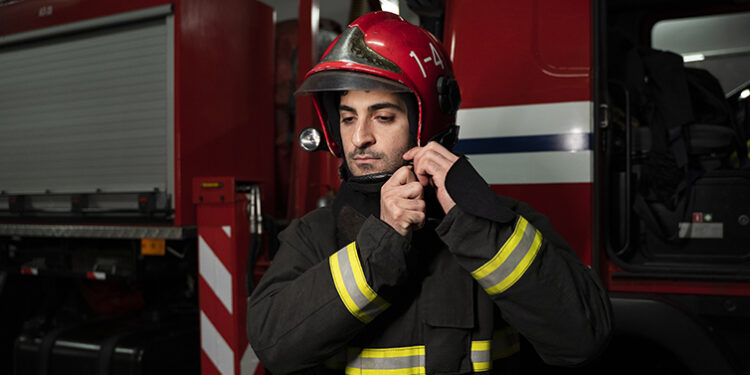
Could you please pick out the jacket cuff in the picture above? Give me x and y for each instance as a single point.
(512, 260)
(471, 239)
(384, 254)
(352, 286)
(471, 192)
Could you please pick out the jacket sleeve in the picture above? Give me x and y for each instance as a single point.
(315, 298)
(528, 270)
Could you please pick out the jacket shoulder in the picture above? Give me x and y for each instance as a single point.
(313, 234)
(319, 217)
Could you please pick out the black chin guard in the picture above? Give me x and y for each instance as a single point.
(374, 178)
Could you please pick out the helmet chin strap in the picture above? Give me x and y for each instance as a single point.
(447, 138)
(374, 178)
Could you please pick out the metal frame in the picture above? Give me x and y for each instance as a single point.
(136, 15)
(97, 231)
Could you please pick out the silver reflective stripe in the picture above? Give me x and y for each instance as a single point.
(481, 358)
(403, 360)
(388, 363)
(512, 260)
(351, 284)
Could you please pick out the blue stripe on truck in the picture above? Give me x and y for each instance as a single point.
(530, 143)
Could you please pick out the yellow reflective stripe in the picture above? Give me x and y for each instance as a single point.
(339, 282)
(399, 371)
(512, 260)
(352, 287)
(480, 355)
(392, 352)
(520, 269)
(480, 345)
(359, 276)
(481, 366)
(402, 360)
(504, 252)
(505, 343)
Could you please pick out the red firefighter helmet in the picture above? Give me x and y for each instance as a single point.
(381, 51)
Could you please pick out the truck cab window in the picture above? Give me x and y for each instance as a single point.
(717, 43)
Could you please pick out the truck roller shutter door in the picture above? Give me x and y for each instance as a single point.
(87, 111)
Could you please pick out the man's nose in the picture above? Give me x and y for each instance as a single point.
(363, 136)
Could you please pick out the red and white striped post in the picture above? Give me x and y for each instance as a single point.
(223, 241)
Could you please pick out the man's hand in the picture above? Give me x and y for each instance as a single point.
(402, 203)
(431, 164)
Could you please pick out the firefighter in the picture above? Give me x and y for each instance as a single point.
(416, 267)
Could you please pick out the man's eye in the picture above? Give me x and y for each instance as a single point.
(347, 120)
(385, 118)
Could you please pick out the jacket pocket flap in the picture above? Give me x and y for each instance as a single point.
(448, 294)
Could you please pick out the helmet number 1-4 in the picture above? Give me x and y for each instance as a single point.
(435, 58)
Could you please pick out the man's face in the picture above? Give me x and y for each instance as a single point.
(374, 131)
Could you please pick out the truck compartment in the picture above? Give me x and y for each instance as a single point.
(677, 179)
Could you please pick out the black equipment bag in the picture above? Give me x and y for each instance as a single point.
(741, 107)
(714, 228)
(686, 172)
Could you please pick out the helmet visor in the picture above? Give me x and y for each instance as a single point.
(338, 80)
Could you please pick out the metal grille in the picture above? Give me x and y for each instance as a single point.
(86, 112)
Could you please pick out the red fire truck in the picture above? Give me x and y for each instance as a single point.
(562, 109)
(139, 141)
(136, 138)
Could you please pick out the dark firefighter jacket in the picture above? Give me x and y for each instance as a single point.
(347, 292)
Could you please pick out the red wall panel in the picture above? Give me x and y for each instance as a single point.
(568, 206)
(509, 52)
(224, 103)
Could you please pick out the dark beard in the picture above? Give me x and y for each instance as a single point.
(392, 163)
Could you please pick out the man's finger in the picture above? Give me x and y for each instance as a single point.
(415, 218)
(432, 163)
(432, 156)
(411, 190)
(440, 149)
(428, 167)
(402, 176)
(416, 154)
(424, 179)
(413, 205)
(408, 155)
(410, 175)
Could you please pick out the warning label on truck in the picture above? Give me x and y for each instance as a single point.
(701, 230)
